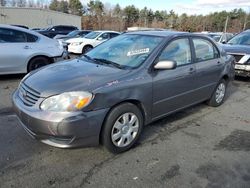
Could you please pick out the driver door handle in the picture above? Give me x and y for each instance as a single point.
(26, 47)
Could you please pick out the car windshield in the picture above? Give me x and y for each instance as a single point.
(92, 35)
(49, 28)
(73, 33)
(241, 39)
(128, 50)
(216, 37)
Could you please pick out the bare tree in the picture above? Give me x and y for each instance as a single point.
(2, 3)
(31, 3)
(21, 3)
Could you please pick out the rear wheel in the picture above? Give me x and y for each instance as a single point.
(219, 94)
(86, 49)
(122, 128)
(37, 62)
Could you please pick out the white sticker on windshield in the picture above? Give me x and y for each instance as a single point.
(138, 52)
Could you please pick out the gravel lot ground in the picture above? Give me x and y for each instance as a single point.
(198, 147)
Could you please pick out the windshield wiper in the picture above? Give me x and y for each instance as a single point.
(108, 62)
(91, 59)
(87, 57)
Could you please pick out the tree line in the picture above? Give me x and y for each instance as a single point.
(96, 15)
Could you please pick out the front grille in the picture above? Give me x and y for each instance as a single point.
(28, 95)
(237, 57)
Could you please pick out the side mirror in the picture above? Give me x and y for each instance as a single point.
(224, 42)
(99, 38)
(53, 29)
(165, 65)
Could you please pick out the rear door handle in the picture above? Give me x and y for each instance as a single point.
(26, 47)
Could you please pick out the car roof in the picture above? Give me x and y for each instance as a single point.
(104, 31)
(160, 33)
(22, 29)
(84, 30)
(168, 34)
(13, 27)
(63, 26)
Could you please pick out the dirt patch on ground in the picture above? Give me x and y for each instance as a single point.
(238, 140)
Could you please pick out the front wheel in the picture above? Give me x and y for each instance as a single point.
(219, 94)
(122, 128)
(86, 49)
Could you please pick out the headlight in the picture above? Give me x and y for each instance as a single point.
(67, 102)
(76, 43)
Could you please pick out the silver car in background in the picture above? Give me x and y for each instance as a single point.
(23, 50)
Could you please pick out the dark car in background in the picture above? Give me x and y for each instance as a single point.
(239, 47)
(51, 32)
(107, 95)
(72, 34)
(22, 26)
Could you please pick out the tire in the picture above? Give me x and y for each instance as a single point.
(219, 94)
(117, 135)
(86, 49)
(37, 62)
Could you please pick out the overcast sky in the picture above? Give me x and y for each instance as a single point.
(186, 6)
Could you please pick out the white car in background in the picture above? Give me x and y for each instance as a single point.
(91, 40)
(23, 50)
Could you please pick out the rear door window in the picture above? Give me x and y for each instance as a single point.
(204, 50)
(14, 36)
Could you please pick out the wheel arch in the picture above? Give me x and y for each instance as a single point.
(225, 77)
(51, 60)
(135, 102)
(86, 45)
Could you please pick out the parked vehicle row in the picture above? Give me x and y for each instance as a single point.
(108, 95)
(81, 45)
(239, 47)
(120, 83)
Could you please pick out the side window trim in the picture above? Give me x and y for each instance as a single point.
(210, 41)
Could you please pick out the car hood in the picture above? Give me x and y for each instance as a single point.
(60, 36)
(74, 75)
(79, 40)
(238, 49)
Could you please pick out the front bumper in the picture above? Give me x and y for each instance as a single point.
(75, 49)
(64, 129)
(242, 70)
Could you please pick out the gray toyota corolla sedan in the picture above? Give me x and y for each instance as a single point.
(110, 93)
